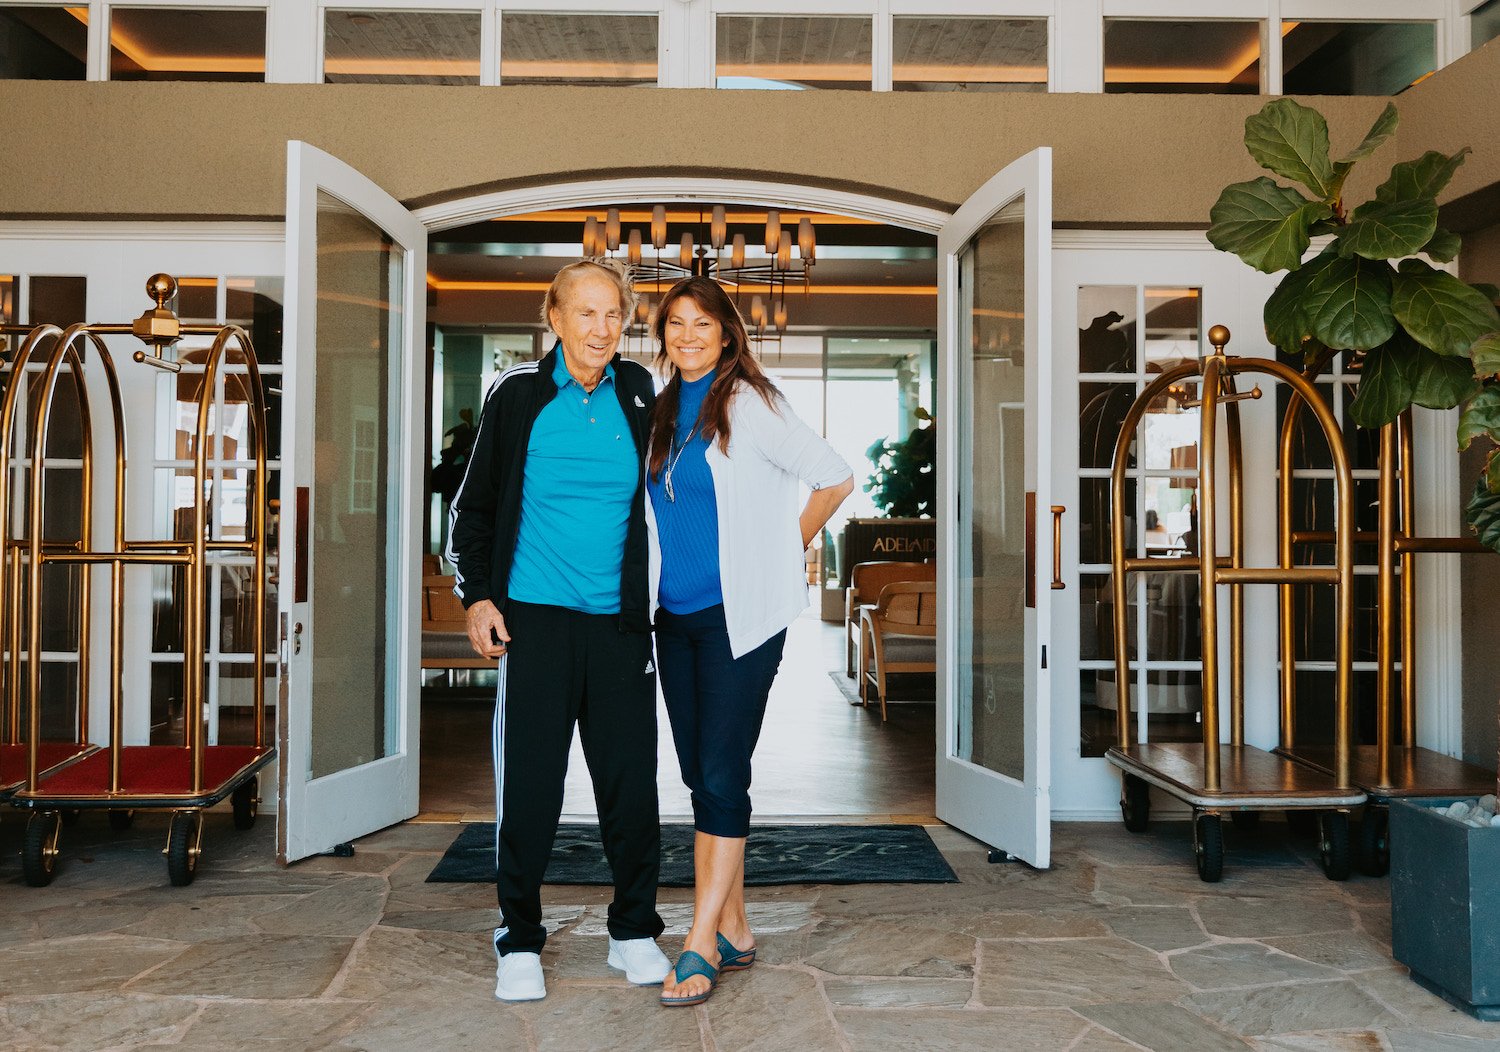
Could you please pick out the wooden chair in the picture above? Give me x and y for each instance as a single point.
(865, 583)
(432, 565)
(900, 633)
(445, 632)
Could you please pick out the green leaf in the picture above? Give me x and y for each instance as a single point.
(1348, 304)
(1264, 223)
(1440, 311)
(1483, 513)
(1380, 230)
(1384, 388)
(1438, 382)
(1383, 128)
(1424, 177)
(1291, 140)
(1485, 289)
(1443, 246)
(1480, 417)
(1492, 471)
(1486, 354)
(1285, 314)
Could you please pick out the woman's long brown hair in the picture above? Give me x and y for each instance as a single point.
(736, 365)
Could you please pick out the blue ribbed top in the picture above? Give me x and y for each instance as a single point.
(688, 527)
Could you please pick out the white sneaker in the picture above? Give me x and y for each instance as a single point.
(518, 976)
(640, 959)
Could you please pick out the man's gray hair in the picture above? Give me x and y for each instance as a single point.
(612, 269)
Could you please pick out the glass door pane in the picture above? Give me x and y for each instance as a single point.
(357, 486)
(989, 711)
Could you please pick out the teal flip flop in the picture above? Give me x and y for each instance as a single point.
(689, 965)
(731, 959)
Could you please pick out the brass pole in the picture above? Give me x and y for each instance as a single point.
(117, 571)
(1213, 366)
(41, 416)
(1385, 620)
(1236, 560)
(1286, 594)
(1408, 584)
(256, 528)
(85, 536)
(1118, 562)
(1343, 555)
(10, 604)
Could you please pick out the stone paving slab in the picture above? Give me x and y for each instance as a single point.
(1118, 946)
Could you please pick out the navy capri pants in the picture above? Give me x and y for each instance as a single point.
(716, 704)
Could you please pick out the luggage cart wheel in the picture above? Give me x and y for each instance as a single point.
(1208, 844)
(184, 844)
(1374, 842)
(1246, 821)
(244, 802)
(71, 816)
(1135, 803)
(120, 820)
(1333, 844)
(39, 854)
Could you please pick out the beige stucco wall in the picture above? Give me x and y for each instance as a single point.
(196, 150)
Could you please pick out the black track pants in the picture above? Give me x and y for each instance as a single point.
(563, 667)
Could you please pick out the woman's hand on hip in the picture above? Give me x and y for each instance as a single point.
(487, 632)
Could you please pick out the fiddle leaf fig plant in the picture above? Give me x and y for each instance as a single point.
(1421, 336)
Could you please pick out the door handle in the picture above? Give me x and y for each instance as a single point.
(1028, 558)
(1057, 514)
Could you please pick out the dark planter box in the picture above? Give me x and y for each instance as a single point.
(1445, 904)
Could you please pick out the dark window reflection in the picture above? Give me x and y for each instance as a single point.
(44, 43)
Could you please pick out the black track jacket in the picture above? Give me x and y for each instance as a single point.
(485, 515)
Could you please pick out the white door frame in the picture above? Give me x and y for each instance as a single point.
(1010, 813)
(324, 810)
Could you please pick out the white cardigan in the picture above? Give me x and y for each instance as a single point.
(762, 571)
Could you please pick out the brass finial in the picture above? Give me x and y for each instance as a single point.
(1218, 336)
(158, 327)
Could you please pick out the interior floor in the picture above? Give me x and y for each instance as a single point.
(818, 755)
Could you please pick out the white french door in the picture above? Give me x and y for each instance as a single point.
(351, 502)
(994, 552)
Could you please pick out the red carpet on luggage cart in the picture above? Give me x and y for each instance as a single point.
(151, 770)
(14, 760)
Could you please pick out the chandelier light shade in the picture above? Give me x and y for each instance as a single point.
(807, 241)
(718, 228)
(612, 229)
(659, 227)
(723, 255)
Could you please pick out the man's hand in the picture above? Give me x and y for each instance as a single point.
(484, 618)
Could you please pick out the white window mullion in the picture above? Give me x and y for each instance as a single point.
(882, 47)
(1270, 59)
(1077, 46)
(98, 61)
(489, 45)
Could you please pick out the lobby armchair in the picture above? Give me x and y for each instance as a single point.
(900, 634)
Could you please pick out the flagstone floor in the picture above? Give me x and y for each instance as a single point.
(1118, 946)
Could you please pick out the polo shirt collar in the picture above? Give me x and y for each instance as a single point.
(562, 377)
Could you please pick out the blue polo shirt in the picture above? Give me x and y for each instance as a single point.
(580, 480)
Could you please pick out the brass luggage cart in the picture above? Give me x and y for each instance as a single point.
(1232, 778)
(180, 778)
(15, 752)
(1393, 767)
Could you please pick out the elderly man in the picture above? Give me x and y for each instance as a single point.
(548, 536)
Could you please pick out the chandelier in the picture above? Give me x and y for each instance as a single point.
(757, 276)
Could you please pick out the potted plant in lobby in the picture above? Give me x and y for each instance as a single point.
(904, 484)
(1420, 336)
